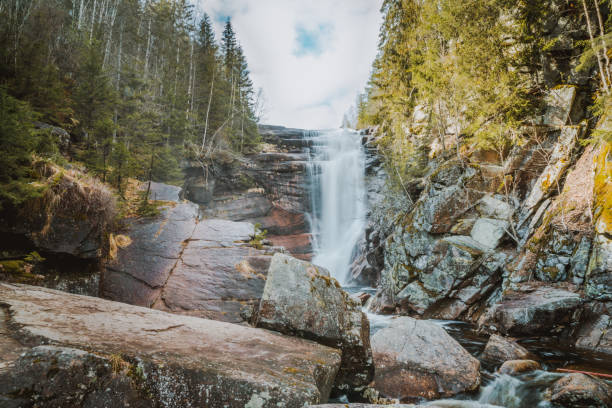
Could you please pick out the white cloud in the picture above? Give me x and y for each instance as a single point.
(309, 90)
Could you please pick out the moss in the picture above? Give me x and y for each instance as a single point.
(13, 267)
(18, 271)
(602, 190)
(551, 271)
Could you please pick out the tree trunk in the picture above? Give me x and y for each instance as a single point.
(603, 41)
(594, 47)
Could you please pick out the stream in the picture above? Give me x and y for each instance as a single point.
(338, 219)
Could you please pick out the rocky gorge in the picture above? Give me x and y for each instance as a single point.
(236, 320)
(303, 274)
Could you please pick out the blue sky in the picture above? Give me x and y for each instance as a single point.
(311, 57)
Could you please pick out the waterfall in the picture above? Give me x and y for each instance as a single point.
(338, 197)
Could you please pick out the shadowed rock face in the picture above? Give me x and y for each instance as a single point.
(173, 361)
(302, 299)
(418, 359)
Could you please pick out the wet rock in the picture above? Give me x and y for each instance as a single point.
(172, 360)
(489, 232)
(302, 299)
(514, 367)
(269, 188)
(439, 278)
(501, 349)
(418, 359)
(580, 391)
(533, 309)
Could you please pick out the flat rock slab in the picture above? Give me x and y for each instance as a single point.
(419, 359)
(182, 361)
(177, 263)
(140, 270)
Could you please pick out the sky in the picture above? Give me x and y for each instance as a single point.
(310, 57)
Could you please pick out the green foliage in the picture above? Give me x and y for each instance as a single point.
(147, 208)
(259, 236)
(34, 258)
(18, 141)
(138, 85)
(457, 64)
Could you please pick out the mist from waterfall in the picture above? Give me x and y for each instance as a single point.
(338, 194)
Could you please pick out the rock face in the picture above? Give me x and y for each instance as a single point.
(430, 270)
(416, 358)
(501, 349)
(269, 188)
(581, 391)
(533, 309)
(302, 299)
(107, 352)
(596, 334)
(179, 264)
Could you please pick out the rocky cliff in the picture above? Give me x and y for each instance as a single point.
(269, 188)
(520, 247)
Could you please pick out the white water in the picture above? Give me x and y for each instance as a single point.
(338, 198)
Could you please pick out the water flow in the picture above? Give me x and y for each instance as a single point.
(338, 198)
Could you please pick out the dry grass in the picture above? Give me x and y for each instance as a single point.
(73, 194)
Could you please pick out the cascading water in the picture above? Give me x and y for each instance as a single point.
(338, 198)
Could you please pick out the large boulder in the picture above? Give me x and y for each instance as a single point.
(71, 217)
(501, 349)
(581, 391)
(172, 361)
(533, 309)
(301, 299)
(418, 359)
